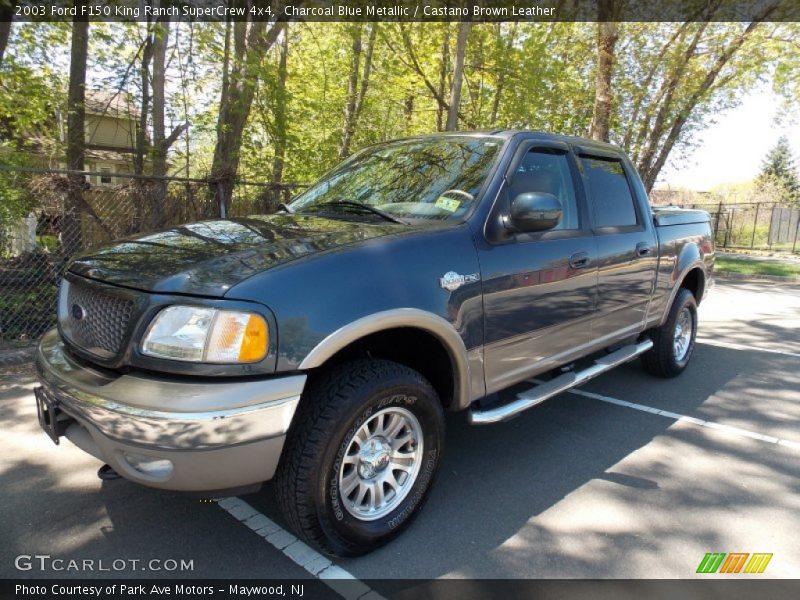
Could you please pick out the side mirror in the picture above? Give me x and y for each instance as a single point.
(534, 211)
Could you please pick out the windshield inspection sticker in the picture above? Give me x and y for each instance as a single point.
(447, 204)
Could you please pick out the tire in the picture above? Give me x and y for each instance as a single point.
(668, 358)
(342, 437)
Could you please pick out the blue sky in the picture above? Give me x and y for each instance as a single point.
(732, 149)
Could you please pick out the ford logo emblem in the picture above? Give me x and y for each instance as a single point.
(78, 312)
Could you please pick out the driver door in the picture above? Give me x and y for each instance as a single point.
(539, 288)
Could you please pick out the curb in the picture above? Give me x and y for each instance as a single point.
(746, 277)
(17, 356)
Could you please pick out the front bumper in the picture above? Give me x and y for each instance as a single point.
(216, 434)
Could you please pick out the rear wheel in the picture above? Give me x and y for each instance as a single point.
(673, 342)
(361, 455)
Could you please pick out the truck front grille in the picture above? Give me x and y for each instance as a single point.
(92, 319)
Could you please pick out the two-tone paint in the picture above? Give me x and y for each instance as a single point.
(542, 300)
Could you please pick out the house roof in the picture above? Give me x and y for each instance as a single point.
(109, 155)
(112, 103)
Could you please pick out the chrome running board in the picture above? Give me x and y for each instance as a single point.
(540, 393)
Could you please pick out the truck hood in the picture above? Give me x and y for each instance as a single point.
(209, 257)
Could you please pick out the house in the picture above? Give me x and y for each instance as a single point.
(111, 124)
(111, 121)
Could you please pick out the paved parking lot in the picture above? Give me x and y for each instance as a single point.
(630, 476)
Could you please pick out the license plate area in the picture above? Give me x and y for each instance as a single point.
(51, 418)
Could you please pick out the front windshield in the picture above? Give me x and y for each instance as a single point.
(436, 179)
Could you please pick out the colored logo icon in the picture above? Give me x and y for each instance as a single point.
(735, 562)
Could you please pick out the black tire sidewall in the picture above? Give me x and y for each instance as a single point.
(684, 300)
(337, 523)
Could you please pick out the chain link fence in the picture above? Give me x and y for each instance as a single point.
(60, 213)
(755, 226)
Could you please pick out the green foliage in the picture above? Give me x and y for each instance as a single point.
(747, 266)
(779, 170)
(15, 201)
(533, 75)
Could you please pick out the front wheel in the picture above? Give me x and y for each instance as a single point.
(673, 342)
(361, 455)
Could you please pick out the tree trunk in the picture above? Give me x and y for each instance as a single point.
(649, 172)
(458, 76)
(645, 86)
(667, 92)
(607, 35)
(444, 67)
(251, 40)
(413, 63)
(140, 151)
(352, 88)
(352, 113)
(160, 142)
(140, 146)
(275, 196)
(280, 112)
(6, 16)
(76, 136)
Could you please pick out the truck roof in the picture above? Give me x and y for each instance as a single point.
(509, 133)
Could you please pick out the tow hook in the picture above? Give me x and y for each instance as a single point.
(107, 473)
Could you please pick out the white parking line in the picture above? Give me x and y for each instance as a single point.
(684, 418)
(734, 346)
(335, 577)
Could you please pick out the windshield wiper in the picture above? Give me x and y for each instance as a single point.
(364, 208)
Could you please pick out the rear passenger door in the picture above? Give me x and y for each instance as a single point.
(627, 246)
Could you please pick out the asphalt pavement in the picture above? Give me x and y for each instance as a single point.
(628, 477)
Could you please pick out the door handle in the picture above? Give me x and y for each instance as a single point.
(579, 260)
(643, 249)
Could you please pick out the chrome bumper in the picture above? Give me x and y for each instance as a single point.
(217, 434)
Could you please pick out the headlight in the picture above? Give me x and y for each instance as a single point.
(195, 334)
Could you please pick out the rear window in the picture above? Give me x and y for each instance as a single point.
(609, 192)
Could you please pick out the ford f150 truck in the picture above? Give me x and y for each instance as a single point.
(320, 346)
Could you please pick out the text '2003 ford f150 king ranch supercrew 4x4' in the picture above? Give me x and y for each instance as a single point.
(321, 345)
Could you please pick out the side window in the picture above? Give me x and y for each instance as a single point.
(609, 192)
(543, 171)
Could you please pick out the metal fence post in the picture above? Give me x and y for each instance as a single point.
(716, 222)
(796, 229)
(771, 220)
(755, 225)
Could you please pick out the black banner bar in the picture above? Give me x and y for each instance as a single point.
(709, 588)
(406, 10)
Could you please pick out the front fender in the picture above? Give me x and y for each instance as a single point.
(401, 317)
(329, 300)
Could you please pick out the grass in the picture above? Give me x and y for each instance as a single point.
(757, 267)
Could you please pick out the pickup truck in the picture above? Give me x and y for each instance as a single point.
(321, 346)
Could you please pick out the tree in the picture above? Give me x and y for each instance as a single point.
(607, 35)
(458, 76)
(280, 110)
(503, 49)
(356, 91)
(162, 141)
(780, 170)
(6, 17)
(444, 68)
(246, 43)
(76, 135)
